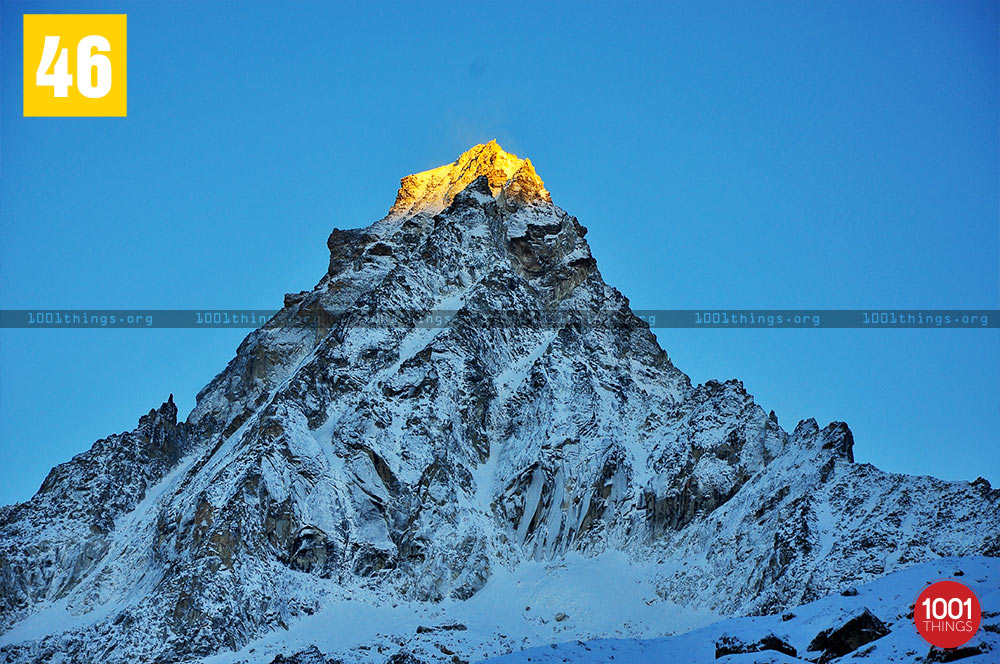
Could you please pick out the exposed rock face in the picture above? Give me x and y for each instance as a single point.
(414, 461)
(854, 633)
(734, 645)
(958, 654)
(311, 655)
(431, 191)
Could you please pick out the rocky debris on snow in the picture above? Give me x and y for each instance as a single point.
(733, 645)
(838, 641)
(404, 658)
(956, 654)
(311, 655)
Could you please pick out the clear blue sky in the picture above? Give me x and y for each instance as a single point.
(840, 155)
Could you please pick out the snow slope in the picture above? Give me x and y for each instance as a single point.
(889, 598)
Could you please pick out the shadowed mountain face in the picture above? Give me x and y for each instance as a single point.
(341, 451)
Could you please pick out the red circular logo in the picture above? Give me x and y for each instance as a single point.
(947, 614)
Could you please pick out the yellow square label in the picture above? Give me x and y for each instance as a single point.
(74, 65)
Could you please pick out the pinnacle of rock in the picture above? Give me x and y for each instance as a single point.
(432, 191)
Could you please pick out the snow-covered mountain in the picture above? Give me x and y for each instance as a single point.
(357, 468)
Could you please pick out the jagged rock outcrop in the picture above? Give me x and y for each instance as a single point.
(386, 433)
(432, 191)
(728, 644)
(855, 632)
(311, 655)
(50, 544)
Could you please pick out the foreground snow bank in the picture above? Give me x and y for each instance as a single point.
(889, 600)
(537, 603)
(606, 609)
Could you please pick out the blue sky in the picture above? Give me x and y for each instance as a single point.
(739, 155)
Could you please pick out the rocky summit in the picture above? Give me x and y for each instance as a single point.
(363, 492)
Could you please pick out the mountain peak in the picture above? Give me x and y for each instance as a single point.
(460, 399)
(433, 190)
